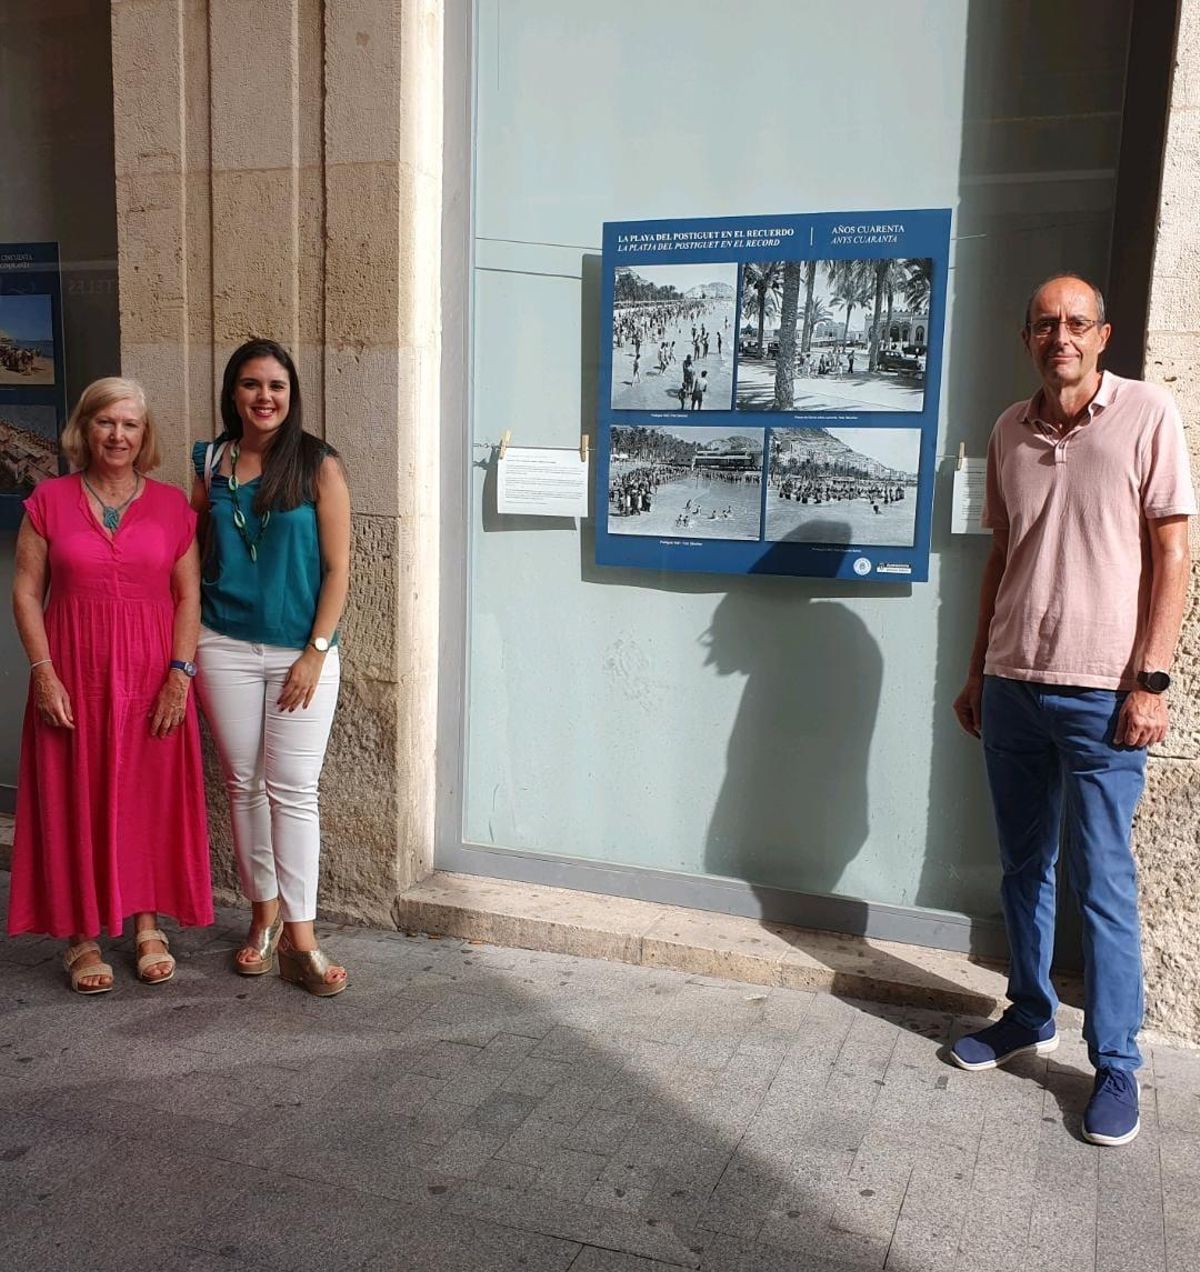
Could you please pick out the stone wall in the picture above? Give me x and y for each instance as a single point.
(1167, 831)
(278, 173)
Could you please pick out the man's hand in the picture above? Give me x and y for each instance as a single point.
(1143, 721)
(968, 706)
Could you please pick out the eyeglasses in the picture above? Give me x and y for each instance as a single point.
(1044, 328)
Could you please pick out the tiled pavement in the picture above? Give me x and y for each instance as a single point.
(478, 1109)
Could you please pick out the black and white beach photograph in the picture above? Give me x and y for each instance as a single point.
(848, 335)
(844, 485)
(26, 339)
(674, 328)
(685, 482)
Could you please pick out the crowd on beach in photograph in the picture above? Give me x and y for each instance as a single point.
(647, 327)
(830, 490)
(828, 362)
(632, 493)
(17, 358)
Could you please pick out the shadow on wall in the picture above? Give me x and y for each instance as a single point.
(793, 807)
(793, 810)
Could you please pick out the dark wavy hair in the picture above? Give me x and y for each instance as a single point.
(293, 458)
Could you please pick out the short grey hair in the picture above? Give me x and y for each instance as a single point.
(1066, 273)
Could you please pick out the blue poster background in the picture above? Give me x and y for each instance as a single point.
(876, 402)
(33, 391)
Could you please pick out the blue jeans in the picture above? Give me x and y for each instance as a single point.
(1056, 777)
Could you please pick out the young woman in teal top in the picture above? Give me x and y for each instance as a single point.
(275, 577)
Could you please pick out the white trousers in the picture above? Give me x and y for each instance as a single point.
(271, 761)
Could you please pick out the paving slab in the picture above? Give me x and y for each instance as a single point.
(465, 1106)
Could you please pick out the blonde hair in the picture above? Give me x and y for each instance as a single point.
(98, 395)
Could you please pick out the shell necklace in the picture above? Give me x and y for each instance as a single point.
(110, 515)
(239, 517)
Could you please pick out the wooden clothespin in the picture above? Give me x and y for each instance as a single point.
(583, 448)
(505, 438)
(962, 455)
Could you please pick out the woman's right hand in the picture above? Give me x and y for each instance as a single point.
(50, 697)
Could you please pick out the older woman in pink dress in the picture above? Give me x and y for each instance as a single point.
(110, 801)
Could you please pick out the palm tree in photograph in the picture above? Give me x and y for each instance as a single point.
(762, 284)
(820, 312)
(887, 277)
(810, 280)
(890, 283)
(917, 284)
(852, 287)
(785, 363)
(911, 281)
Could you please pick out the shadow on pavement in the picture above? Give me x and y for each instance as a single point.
(470, 1107)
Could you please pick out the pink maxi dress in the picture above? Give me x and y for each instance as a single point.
(110, 819)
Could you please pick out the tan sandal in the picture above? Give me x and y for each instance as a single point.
(264, 947)
(307, 969)
(152, 960)
(72, 955)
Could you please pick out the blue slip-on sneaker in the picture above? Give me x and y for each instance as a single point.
(1000, 1042)
(1111, 1116)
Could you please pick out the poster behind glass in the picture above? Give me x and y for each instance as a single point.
(32, 382)
(769, 393)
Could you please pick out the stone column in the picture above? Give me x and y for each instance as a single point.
(1167, 831)
(278, 174)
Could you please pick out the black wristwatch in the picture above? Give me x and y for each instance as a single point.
(1154, 681)
(189, 669)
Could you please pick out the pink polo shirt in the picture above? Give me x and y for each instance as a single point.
(1075, 595)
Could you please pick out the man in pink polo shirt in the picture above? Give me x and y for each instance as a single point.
(1088, 496)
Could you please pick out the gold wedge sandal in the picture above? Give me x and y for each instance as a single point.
(264, 947)
(151, 960)
(307, 969)
(72, 955)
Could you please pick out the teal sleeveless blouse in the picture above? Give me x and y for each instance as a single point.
(268, 601)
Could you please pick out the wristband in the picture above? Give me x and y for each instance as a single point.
(41, 662)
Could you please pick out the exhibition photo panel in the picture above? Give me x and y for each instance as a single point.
(673, 331)
(834, 335)
(824, 331)
(852, 486)
(685, 482)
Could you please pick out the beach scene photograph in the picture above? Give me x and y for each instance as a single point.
(26, 339)
(834, 335)
(685, 482)
(672, 337)
(844, 485)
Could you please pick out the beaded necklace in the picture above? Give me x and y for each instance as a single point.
(239, 517)
(111, 516)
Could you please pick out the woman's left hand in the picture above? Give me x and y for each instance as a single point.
(170, 707)
(302, 680)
